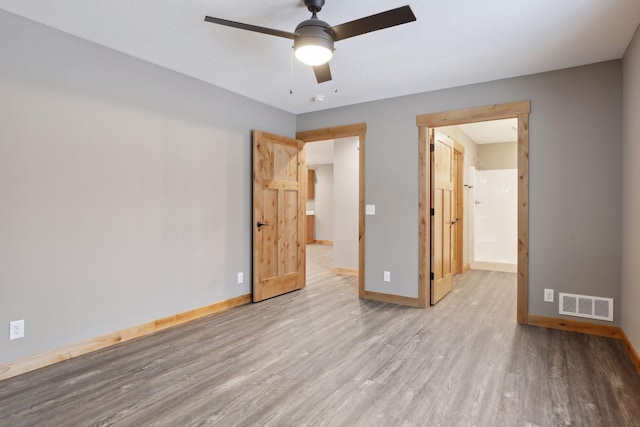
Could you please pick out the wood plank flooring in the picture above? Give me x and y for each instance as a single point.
(320, 356)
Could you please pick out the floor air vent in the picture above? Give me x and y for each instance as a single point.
(586, 306)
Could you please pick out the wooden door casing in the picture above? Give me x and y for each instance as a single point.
(426, 122)
(458, 192)
(279, 186)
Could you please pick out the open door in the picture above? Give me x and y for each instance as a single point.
(442, 219)
(279, 185)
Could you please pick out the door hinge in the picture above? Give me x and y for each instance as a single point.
(432, 147)
(433, 212)
(432, 275)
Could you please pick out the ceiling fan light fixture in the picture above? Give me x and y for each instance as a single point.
(313, 45)
(313, 39)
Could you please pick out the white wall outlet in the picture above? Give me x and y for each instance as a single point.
(370, 209)
(16, 329)
(240, 277)
(387, 276)
(548, 295)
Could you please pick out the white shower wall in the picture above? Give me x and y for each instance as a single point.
(495, 219)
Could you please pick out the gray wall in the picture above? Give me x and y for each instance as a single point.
(324, 202)
(125, 189)
(345, 203)
(575, 180)
(631, 193)
(502, 155)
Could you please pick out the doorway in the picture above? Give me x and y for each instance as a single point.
(426, 123)
(332, 202)
(358, 131)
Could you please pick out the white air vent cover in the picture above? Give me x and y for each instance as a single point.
(586, 306)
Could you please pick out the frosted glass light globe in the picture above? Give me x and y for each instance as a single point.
(313, 55)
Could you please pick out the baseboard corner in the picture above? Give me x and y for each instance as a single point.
(631, 351)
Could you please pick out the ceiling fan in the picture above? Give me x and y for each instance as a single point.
(313, 39)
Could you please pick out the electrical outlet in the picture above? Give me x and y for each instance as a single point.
(387, 276)
(16, 329)
(548, 295)
(240, 277)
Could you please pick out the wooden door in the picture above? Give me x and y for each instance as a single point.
(458, 195)
(442, 203)
(279, 186)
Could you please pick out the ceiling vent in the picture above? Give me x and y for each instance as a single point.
(586, 306)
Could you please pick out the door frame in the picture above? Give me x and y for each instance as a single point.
(355, 130)
(519, 110)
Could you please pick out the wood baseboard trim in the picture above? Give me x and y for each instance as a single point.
(495, 266)
(466, 268)
(576, 326)
(393, 299)
(323, 242)
(41, 360)
(631, 351)
(346, 271)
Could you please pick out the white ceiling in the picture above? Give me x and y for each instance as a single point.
(491, 132)
(453, 42)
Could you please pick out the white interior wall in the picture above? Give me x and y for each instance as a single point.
(324, 190)
(496, 220)
(496, 216)
(345, 207)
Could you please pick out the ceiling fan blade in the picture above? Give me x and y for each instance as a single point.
(323, 72)
(249, 27)
(379, 21)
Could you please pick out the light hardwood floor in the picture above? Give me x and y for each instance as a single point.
(320, 356)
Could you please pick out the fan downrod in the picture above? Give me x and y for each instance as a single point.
(314, 6)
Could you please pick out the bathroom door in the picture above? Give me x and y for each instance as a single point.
(443, 217)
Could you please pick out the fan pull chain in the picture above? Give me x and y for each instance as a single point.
(291, 74)
(335, 66)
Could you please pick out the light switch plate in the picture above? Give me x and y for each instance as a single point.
(370, 210)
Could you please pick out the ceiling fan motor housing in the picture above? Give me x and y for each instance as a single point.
(312, 31)
(314, 5)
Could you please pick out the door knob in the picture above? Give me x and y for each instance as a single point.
(261, 224)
